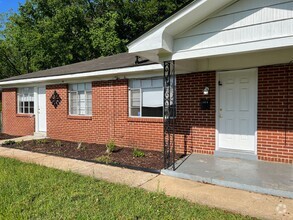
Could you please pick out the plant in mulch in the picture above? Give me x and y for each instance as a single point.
(138, 153)
(9, 143)
(41, 141)
(81, 146)
(104, 159)
(58, 143)
(110, 146)
(19, 144)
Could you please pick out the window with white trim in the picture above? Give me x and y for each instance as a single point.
(25, 100)
(80, 99)
(146, 97)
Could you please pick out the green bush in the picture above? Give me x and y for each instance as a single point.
(110, 146)
(138, 153)
(19, 144)
(8, 143)
(58, 143)
(41, 141)
(104, 159)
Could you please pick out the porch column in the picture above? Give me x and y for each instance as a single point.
(169, 113)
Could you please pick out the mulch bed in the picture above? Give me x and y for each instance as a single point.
(121, 156)
(6, 136)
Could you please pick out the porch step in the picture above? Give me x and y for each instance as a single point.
(227, 153)
(40, 134)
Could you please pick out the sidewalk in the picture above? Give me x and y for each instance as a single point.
(24, 138)
(233, 200)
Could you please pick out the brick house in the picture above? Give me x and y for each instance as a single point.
(234, 86)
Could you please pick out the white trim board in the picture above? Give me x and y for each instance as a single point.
(257, 46)
(160, 38)
(118, 72)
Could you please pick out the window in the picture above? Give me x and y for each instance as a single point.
(25, 100)
(146, 97)
(80, 99)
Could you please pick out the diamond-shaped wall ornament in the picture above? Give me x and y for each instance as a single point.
(55, 99)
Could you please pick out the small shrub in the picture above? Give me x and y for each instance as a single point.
(110, 146)
(19, 144)
(41, 141)
(104, 159)
(9, 142)
(138, 153)
(58, 143)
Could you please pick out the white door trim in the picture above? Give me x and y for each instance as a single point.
(255, 70)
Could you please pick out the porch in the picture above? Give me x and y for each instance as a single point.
(255, 176)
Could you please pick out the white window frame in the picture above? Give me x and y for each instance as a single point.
(85, 94)
(20, 92)
(129, 102)
(140, 89)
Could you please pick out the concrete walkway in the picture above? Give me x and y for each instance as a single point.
(255, 176)
(237, 201)
(24, 138)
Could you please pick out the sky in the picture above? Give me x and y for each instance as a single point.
(6, 5)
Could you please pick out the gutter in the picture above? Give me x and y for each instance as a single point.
(152, 67)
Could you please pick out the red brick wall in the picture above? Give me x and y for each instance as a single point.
(59, 126)
(109, 121)
(13, 123)
(275, 113)
(195, 131)
(195, 128)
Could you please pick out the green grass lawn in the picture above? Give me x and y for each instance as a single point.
(29, 191)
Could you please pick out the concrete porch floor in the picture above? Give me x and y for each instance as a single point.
(255, 176)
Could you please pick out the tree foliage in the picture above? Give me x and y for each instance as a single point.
(50, 33)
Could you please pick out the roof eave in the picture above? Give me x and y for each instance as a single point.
(160, 38)
(76, 76)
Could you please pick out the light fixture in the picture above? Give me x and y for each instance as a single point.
(206, 90)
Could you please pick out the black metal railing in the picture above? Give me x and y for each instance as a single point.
(169, 114)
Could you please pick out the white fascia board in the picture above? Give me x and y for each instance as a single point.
(234, 49)
(162, 25)
(161, 36)
(153, 39)
(128, 70)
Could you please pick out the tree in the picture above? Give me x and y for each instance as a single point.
(50, 33)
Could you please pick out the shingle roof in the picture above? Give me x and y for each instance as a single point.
(117, 61)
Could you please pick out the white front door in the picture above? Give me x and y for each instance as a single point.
(41, 111)
(237, 110)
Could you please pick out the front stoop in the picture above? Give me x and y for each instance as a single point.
(40, 134)
(254, 176)
(246, 155)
